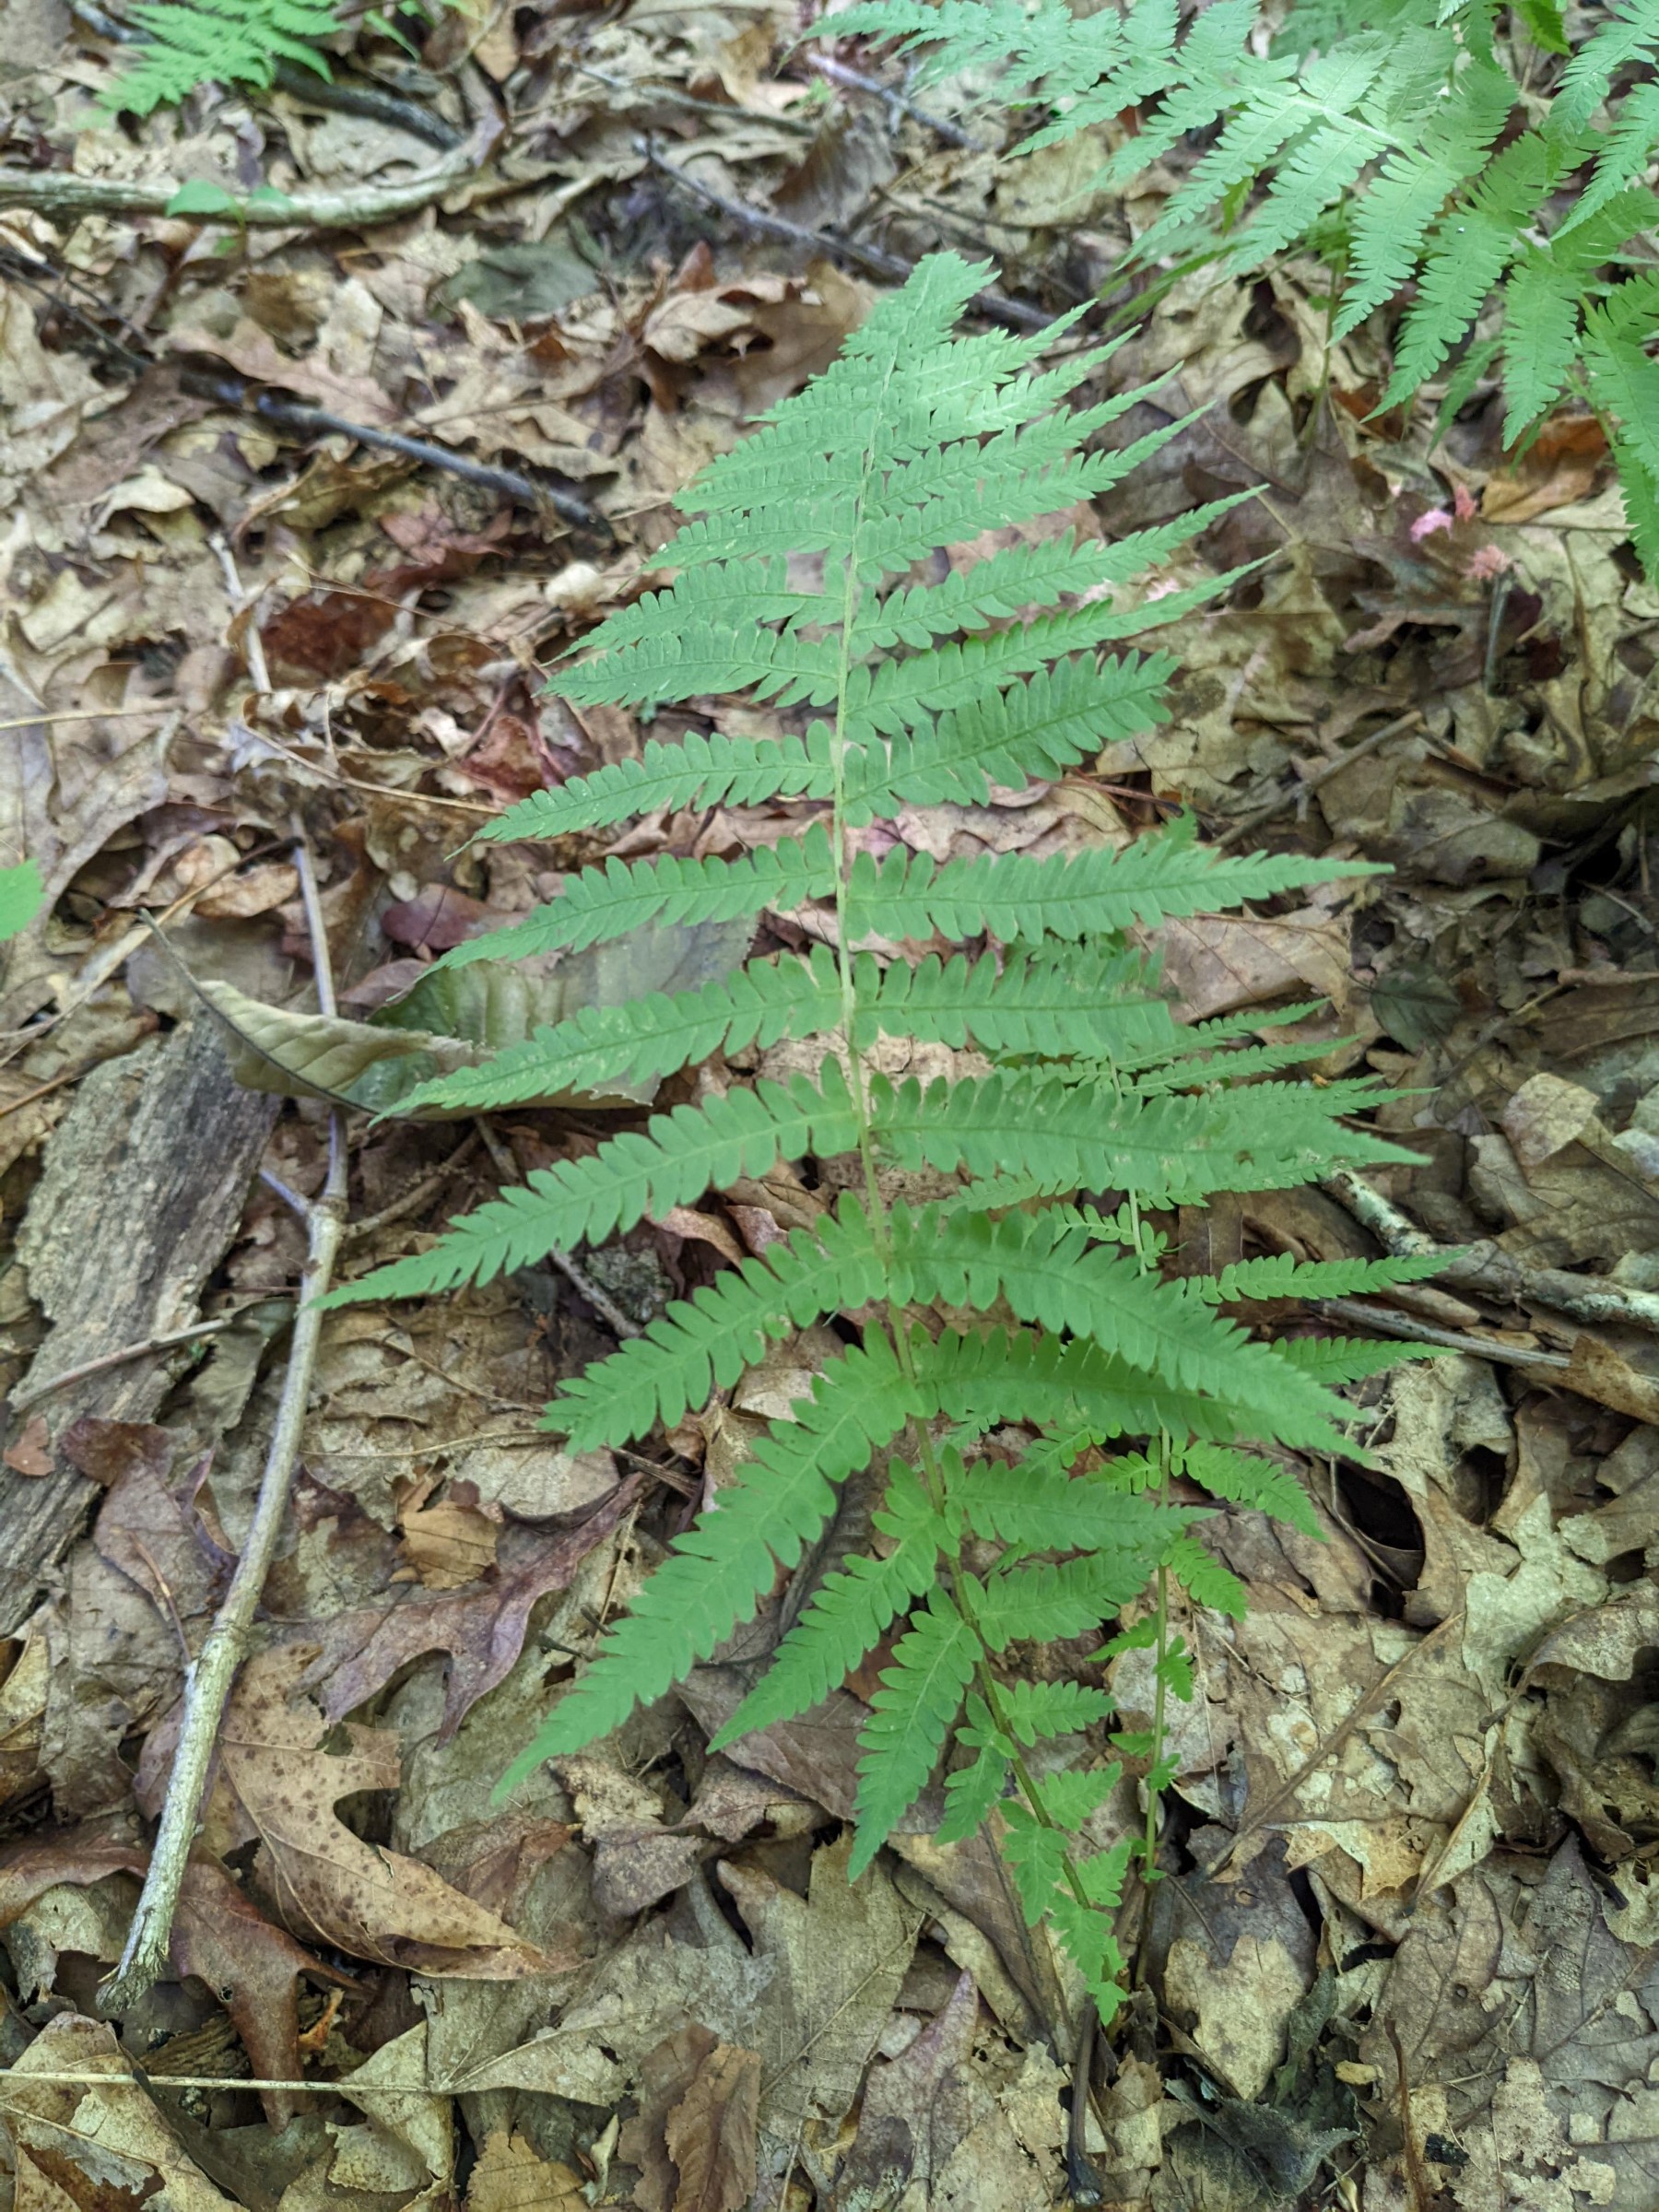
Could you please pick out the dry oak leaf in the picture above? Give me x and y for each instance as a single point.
(94, 2147)
(219, 1935)
(367, 1900)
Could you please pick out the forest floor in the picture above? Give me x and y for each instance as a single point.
(1407, 1953)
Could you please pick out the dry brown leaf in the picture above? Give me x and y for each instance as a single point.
(369, 1901)
(710, 2133)
(96, 2146)
(513, 2177)
(450, 1544)
(482, 1627)
(219, 1935)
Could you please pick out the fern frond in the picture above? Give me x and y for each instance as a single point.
(1036, 1713)
(1332, 1360)
(1049, 1275)
(601, 904)
(1623, 378)
(971, 1792)
(1392, 219)
(1085, 1394)
(1241, 1479)
(1083, 895)
(698, 771)
(1629, 32)
(1626, 151)
(1039, 728)
(718, 1571)
(1282, 1275)
(1171, 1151)
(1469, 250)
(1094, 1000)
(1205, 1580)
(850, 1612)
(670, 1163)
(1044, 1603)
(192, 43)
(1037, 1849)
(706, 1341)
(1046, 1510)
(920, 1695)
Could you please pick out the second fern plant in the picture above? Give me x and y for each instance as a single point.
(1033, 1294)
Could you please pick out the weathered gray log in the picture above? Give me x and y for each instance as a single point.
(144, 1183)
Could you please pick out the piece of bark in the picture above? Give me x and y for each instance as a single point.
(144, 1183)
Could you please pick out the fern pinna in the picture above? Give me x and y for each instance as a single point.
(1032, 1293)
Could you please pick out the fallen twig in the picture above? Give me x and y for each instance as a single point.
(1356, 1313)
(277, 407)
(603, 1303)
(892, 268)
(895, 102)
(22, 1400)
(55, 192)
(1488, 1268)
(210, 1677)
(1322, 775)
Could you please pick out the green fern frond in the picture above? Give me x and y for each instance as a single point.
(789, 582)
(1044, 1603)
(1085, 895)
(706, 1341)
(602, 904)
(1085, 1394)
(1038, 728)
(1025, 1002)
(1414, 183)
(672, 1162)
(719, 1571)
(1171, 1151)
(698, 771)
(1205, 1580)
(192, 43)
(920, 1695)
(1282, 1275)
(850, 1612)
(1629, 32)
(1046, 1510)
(607, 1047)
(1333, 1360)
(1468, 251)
(972, 1791)
(1241, 1479)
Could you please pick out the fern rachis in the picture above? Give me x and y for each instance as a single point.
(1093, 1084)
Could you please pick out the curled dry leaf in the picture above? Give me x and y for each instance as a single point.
(369, 1902)
(454, 1018)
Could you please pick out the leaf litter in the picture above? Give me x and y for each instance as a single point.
(1406, 1953)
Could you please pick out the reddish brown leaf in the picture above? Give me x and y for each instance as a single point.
(482, 1627)
(710, 2133)
(219, 1935)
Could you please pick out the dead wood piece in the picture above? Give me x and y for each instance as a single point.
(1486, 1267)
(144, 1183)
